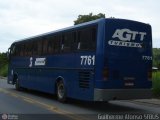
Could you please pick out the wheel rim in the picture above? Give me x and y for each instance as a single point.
(61, 90)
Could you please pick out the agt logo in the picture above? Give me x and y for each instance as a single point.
(126, 38)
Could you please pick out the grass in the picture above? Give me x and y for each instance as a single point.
(156, 83)
(4, 70)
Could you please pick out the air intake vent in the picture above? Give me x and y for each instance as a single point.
(84, 79)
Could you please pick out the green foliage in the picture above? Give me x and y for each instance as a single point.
(3, 64)
(4, 70)
(87, 18)
(156, 83)
(3, 58)
(156, 75)
(156, 57)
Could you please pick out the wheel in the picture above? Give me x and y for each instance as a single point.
(61, 91)
(17, 86)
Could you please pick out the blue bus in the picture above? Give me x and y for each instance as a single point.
(101, 60)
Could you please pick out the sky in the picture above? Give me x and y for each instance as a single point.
(20, 19)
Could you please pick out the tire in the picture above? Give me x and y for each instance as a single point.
(17, 86)
(61, 91)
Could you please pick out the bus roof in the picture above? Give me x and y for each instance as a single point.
(70, 28)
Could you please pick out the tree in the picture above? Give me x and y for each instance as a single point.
(86, 18)
(3, 59)
(3, 64)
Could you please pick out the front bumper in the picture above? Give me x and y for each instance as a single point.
(121, 94)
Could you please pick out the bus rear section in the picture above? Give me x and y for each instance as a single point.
(126, 71)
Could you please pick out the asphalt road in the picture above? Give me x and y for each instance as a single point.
(31, 105)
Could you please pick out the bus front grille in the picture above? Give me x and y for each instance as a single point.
(84, 79)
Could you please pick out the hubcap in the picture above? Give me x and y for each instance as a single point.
(61, 90)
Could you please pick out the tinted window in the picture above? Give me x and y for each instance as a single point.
(17, 50)
(57, 44)
(78, 39)
(94, 38)
(51, 45)
(30, 45)
(74, 45)
(25, 50)
(87, 38)
(21, 49)
(67, 42)
(34, 49)
(39, 47)
(45, 46)
(13, 50)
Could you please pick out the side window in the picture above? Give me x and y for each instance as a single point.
(22, 50)
(26, 49)
(57, 43)
(67, 41)
(87, 39)
(39, 47)
(13, 50)
(51, 45)
(94, 38)
(34, 49)
(30, 46)
(83, 37)
(45, 46)
(17, 49)
(74, 45)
